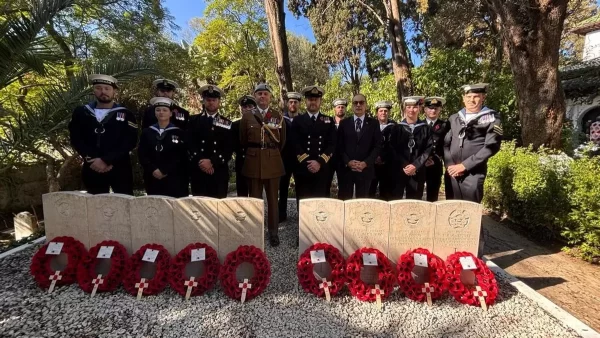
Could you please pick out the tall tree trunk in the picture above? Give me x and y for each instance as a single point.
(53, 185)
(400, 61)
(69, 58)
(276, 18)
(532, 31)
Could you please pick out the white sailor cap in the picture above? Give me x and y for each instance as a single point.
(165, 84)
(475, 88)
(294, 96)
(384, 104)
(161, 102)
(412, 100)
(436, 101)
(209, 90)
(261, 87)
(103, 79)
(340, 102)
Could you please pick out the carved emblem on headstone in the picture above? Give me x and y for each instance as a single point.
(240, 216)
(412, 220)
(64, 208)
(108, 212)
(459, 219)
(151, 213)
(367, 217)
(196, 215)
(321, 216)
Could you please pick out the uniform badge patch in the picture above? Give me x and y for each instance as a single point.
(485, 119)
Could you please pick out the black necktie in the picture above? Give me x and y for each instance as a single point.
(431, 123)
(211, 120)
(358, 125)
(314, 118)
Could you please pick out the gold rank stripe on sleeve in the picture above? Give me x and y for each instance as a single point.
(302, 157)
(498, 130)
(131, 124)
(325, 157)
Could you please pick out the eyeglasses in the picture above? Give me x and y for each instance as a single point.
(356, 103)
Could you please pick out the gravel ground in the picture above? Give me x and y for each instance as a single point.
(282, 311)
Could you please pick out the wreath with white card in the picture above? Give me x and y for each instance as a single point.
(433, 287)
(56, 262)
(321, 286)
(385, 275)
(103, 268)
(251, 287)
(151, 261)
(483, 292)
(186, 285)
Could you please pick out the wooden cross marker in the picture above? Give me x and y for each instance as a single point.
(378, 292)
(190, 285)
(96, 281)
(55, 277)
(141, 286)
(325, 286)
(481, 295)
(245, 286)
(428, 290)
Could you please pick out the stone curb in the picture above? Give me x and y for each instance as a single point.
(22, 247)
(556, 311)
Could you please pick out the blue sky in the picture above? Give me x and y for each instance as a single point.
(184, 10)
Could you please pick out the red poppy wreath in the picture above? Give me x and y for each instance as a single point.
(435, 276)
(385, 276)
(485, 285)
(197, 252)
(87, 271)
(306, 276)
(133, 281)
(257, 284)
(41, 264)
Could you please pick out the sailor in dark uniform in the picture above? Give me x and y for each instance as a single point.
(339, 106)
(384, 177)
(288, 153)
(434, 165)
(314, 138)
(103, 133)
(247, 106)
(166, 88)
(210, 146)
(475, 136)
(409, 148)
(162, 153)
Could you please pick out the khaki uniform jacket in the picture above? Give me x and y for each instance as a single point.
(262, 163)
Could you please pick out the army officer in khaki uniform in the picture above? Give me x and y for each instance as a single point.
(263, 136)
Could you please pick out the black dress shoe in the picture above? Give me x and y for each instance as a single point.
(274, 240)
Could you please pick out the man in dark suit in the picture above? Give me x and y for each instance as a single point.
(439, 128)
(288, 154)
(210, 143)
(314, 140)
(359, 144)
(247, 106)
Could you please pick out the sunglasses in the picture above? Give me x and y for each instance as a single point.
(358, 102)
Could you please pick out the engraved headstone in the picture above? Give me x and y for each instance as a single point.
(152, 222)
(412, 225)
(109, 219)
(321, 221)
(65, 214)
(367, 224)
(241, 222)
(457, 227)
(25, 224)
(196, 220)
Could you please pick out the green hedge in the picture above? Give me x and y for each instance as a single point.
(549, 194)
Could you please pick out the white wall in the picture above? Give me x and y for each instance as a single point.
(591, 49)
